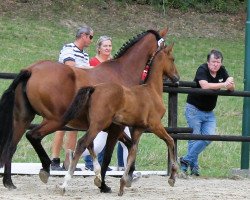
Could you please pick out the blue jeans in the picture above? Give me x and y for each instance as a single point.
(89, 161)
(120, 155)
(203, 123)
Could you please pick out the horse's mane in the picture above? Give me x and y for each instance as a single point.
(134, 40)
(150, 63)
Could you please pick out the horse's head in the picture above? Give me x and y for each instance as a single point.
(169, 68)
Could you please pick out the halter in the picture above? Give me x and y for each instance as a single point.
(161, 44)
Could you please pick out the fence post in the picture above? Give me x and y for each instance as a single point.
(246, 102)
(172, 118)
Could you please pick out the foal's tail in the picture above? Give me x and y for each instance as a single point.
(79, 102)
(6, 115)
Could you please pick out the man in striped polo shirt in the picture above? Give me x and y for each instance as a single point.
(72, 54)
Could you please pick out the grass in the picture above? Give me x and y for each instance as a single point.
(26, 40)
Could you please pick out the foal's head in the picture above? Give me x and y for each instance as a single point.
(169, 68)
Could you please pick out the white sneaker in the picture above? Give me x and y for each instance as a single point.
(120, 168)
(136, 176)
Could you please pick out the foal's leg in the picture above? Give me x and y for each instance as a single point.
(127, 178)
(96, 165)
(162, 134)
(82, 143)
(125, 139)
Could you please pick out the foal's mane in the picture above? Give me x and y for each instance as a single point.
(134, 40)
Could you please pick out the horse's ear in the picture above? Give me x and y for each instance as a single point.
(163, 32)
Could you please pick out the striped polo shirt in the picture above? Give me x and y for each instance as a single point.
(70, 52)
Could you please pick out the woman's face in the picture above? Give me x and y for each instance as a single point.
(105, 48)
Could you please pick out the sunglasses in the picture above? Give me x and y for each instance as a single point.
(91, 37)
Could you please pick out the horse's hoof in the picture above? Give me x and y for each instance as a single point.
(98, 181)
(10, 186)
(171, 182)
(105, 189)
(44, 176)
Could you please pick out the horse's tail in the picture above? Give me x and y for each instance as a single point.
(6, 115)
(79, 102)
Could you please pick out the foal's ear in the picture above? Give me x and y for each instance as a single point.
(169, 49)
(163, 32)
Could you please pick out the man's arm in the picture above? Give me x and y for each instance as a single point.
(70, 63)
(228, 84)
(73, 64)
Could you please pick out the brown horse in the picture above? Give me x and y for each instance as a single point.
(140, 107)
(47, 88)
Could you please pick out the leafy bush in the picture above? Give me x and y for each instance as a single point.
(227, 6)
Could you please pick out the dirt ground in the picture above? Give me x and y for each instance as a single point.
(152, 187)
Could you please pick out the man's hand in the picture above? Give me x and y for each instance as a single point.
(229, 83)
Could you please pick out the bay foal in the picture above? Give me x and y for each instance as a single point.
(140, 107)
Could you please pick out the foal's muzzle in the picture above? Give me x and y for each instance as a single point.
(175, 79)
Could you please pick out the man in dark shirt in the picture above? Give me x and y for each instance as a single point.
(199, 108)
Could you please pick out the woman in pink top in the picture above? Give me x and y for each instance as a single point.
(103, 51)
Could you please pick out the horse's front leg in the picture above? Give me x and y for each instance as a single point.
(162, 134)
(113, 134)
(127, 177)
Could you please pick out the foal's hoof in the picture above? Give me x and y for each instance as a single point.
(171, 182)
(44, 176)
(120, 193)
(62, 190)
(98, 181)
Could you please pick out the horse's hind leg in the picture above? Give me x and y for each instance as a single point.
(22, 117)
(7, 181)
(35, 137)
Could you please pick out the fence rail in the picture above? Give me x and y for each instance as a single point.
(185, 87)
(181, 133)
